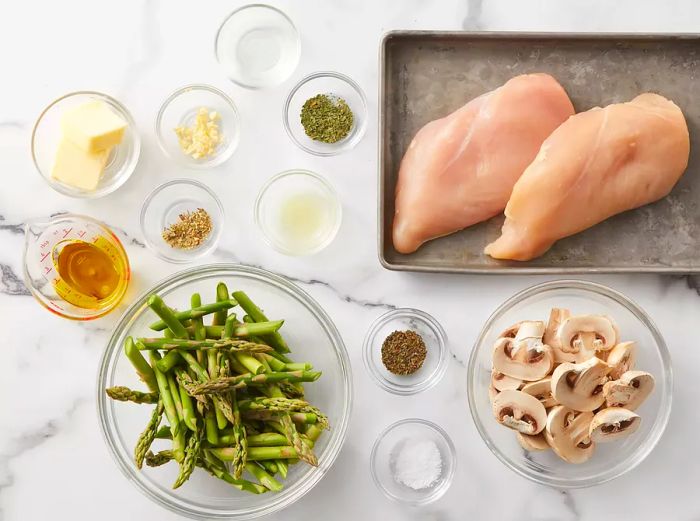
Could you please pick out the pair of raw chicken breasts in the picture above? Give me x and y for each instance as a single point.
(522, 147)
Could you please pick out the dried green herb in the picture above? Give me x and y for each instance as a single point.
(327, 118)
(403, 352)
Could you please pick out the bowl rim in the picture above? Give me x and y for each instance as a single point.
(446, 481)
(218, 158)
(338, 207)
(660, 422)
(312, 477)
(431, 379)
(343, 146)
(198, 253)
(133, 161)
(257, 6)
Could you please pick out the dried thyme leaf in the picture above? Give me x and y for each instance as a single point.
(327, 118)
(190, 231)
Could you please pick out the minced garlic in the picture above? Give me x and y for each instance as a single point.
(201, 139)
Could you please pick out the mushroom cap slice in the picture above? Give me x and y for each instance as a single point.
(551, 334)
(567, 432)
(580, 336)
(503, 382)
(629, 391)
(519, 411)
(622, 358)
(580, 386)
(542, 390)
(613, 423)
(532, 443)
(523, 357)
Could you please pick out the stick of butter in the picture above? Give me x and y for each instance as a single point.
(77, 167)
(93, 126)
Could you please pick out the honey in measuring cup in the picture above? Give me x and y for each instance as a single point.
(88, 275)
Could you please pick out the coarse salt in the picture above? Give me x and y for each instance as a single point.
(417, 463)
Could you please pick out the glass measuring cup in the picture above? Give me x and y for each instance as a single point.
(65, 287)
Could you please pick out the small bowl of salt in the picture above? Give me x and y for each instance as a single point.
(413, 461)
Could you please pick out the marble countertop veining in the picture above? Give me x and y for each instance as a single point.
(53, 461)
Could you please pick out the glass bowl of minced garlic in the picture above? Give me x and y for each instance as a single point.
(198, 126)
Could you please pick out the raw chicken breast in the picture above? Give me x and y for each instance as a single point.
(460, 170)
(597, 164)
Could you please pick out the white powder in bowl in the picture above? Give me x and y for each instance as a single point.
(417, 463)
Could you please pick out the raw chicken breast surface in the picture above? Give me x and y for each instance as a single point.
(460, 170)
(597, 164)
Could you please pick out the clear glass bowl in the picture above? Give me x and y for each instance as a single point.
(331, 83)
(311, 335)
(257, 46)
(433, 335)
(47, 135)
(270, 218)
(382, 461)
(612, 459)
(163, 207)
(180, 110)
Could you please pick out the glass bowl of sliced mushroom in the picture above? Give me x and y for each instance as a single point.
(570, 384)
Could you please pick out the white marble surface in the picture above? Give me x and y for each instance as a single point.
(53, 462)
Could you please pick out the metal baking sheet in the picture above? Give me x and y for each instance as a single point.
(426, 75)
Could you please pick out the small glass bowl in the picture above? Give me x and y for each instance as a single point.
(257, 46)
(433, 335)
(164, 205)
(180, 110)
(382, 461)
(330, 83)
(268, 207)
(47, 135)
(610, 460)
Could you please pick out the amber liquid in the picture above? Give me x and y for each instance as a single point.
(89, 271)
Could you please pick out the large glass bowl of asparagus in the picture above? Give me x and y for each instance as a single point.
(225, 392)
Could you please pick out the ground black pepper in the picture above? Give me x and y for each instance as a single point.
(403, 352)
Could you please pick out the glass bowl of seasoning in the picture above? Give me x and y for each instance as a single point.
(405, 351)
(257, 46)
(326, 114)
(298, 212)
(182, 220)
(198, 126)
(413, 461)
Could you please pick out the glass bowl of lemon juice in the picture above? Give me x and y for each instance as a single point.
(298, 212)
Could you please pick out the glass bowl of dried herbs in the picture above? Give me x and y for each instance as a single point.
(326, 114)
(405, 351)
(182, 220)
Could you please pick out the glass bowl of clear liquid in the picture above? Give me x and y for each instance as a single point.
(298, 212)
(258, 46)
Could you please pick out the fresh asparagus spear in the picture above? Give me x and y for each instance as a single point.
(189, 416)
(167, 316)
(159, 458)
(195, 312)
(248, 361)
(243, 330)
(231, 345)
(175, 390)
(274, 363)
(256, 453)
(302, 418)
(274, 338)
(232, 382)
(192, 449)
(124, 394)
(221, 296)
(282, 467)
(304, 451)
(143, 444)
(144, 370)
(170, 360)
(170, 411)
(270, 466)
(263, 477)
(198, 331)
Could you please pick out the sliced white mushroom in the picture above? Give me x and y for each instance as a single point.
(542, 390)
(629, 391)
(612, 423)
(567, 432)
(523, 356)
(519, 411)
(580, 336)
(622, 358)
(503, 382)
(580, 386)
(551, 334)
(532, 443)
